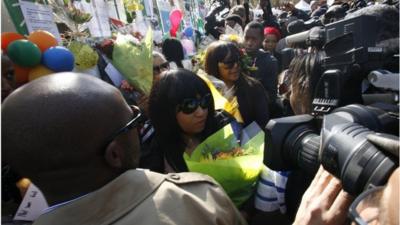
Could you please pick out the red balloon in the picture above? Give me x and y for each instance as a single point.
(7, 38)
(172, 31)
(175, 18)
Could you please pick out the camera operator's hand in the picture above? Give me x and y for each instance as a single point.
(324, 202)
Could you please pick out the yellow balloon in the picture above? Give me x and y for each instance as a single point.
(39, 71)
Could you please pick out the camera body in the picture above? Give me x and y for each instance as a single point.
(337, 134)
(351, 53)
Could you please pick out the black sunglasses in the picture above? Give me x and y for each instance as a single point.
(134, 122)
(164, 66)
(231, 63)
(189, 105)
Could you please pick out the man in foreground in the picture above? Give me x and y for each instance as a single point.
(75, 137)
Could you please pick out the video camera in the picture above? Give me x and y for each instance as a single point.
(342, 146)
(337, 135)
(350, 54)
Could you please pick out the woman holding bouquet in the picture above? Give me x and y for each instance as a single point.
(223, 60)
(181, 109)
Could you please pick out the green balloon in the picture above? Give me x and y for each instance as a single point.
(24, 53)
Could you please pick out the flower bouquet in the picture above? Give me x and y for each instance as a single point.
(235, 164)
(134, 60)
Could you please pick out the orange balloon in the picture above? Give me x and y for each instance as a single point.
(8, 37)
(39, 71)
(21, 74)
(43, 39)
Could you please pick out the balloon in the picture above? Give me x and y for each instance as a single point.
(175, 18)
(43, 39)
(58, 59)
(21, 74)
(172, 32)
(24, 53)
(39, 71)
(188, 31)
(8, 37)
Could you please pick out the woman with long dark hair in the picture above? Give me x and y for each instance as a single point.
(181, 109)
(223, 61)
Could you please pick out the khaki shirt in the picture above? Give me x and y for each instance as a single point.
(144, 197)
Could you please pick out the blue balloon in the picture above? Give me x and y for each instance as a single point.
(58, 59)
(188, 31)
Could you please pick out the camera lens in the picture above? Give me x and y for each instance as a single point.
(348, 154)
(302, 147)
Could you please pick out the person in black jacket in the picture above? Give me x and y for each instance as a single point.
(223, 61)
(265, 63)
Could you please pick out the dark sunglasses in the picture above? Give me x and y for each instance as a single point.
(164, 66)
(134, 122)
(231, 63)
(189, 105)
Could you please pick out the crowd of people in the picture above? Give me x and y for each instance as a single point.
(112, 155)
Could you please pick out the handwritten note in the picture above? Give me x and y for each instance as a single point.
(39, 17)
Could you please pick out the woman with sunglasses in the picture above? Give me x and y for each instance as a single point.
(222, 60)
(181, 109)
(182, 112)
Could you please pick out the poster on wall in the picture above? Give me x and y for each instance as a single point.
(164, 9)
(116, 10)
(99, 25)
(148, 6)
(39, 17)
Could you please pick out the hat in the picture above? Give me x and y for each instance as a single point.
(272, 30)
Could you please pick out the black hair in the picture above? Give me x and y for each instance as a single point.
(305, 71)
(173, 50)
(173, 87)
(256, 25)
(216, 53)
(244, 85)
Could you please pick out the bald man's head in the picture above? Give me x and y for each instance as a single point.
(60, 121)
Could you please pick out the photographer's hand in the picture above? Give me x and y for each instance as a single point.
(324, 202)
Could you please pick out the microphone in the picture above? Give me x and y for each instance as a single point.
(299, 38)
(313, 37)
